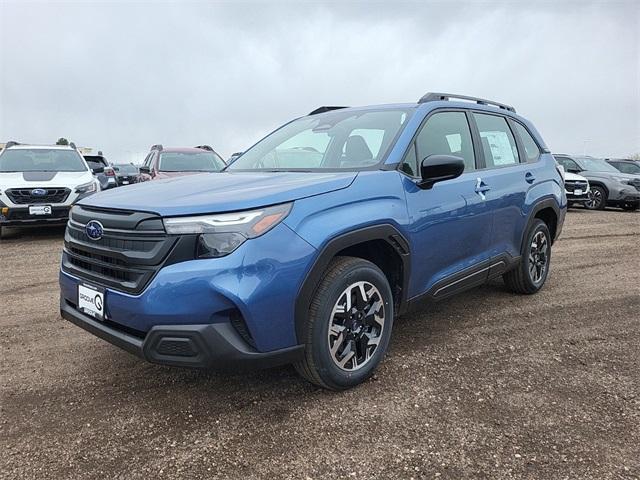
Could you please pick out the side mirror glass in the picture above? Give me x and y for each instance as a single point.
(145, 169)
(438, 168)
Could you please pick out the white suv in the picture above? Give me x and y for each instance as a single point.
(39, 184)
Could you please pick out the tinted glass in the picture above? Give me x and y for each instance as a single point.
(410, 163)
(498, 144)
(127, 169)
(190, 162)
(595, 165)
(340, 139)
(446, 133)
(624, 167)
(568, 164)
(40, 159)
(531, 149)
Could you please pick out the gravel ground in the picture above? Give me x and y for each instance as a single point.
(484, 385)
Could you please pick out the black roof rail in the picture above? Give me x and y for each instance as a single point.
(11, 143)
(156, 147)
(204, 147)
(325, 109)
(434, 97)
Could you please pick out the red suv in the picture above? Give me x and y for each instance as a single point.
(177, 161)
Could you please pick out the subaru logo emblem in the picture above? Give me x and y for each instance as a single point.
(38, 192)
(94, 230)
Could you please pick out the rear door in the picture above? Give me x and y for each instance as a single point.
(509, 172)
(450, 228)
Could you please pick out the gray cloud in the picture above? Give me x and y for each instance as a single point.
(121, 76)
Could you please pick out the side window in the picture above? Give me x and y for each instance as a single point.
(498, 144)
(446, 133)
(147, 161)
(410, 162)
(568, 164)
(531, 149)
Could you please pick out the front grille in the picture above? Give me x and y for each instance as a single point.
(572, 185)
(25, 196)
(132, 249)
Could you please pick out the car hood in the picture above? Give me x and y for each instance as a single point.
(609, 175)
(43, 179)
(219, 192)
(574, 177)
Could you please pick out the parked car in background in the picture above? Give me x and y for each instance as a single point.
(170, 162)
(233, 157)
(310, 263)
(609, 186)
(631, 167)
(40, 183)
(126, 173)
(107, 176)
(577, 189)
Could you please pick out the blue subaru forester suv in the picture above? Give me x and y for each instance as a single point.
(312, 241)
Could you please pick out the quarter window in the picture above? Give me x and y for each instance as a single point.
(531, 149)
(498, 144)
(445, 133)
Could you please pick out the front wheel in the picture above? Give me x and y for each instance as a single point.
(597, 199)
(348, 325)
(532, 272)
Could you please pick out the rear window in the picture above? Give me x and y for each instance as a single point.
(190, 162)
(41, 160)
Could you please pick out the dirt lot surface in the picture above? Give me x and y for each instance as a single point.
(484, 385)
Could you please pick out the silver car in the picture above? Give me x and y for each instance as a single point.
(609, 187)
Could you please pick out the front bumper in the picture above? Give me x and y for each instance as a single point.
(20, 217)
(196, 346)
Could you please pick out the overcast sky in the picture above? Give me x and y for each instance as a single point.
(120, 76)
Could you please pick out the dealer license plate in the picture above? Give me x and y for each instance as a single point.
(577, 191)
(91, 301)
(40, 210)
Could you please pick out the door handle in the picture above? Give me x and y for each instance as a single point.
(481, 188)
(529, 178)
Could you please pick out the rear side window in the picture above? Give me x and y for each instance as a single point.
(531, 149)
(498, 144)
(446, 133)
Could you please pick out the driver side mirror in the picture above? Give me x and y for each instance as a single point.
(437, 168)
(145, 169)
(97, 170)
(573, 170)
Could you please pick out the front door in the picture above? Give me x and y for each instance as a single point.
(451, 225)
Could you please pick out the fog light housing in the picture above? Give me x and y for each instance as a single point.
(216, 245)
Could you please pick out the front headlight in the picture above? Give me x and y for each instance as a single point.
(221, 234)
(86, 187)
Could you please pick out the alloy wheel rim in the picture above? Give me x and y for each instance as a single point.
(356, 326)
(538, 257)
(595, 198)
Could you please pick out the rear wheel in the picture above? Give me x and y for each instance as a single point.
(349, 325)
(530, 275)
(597, 199)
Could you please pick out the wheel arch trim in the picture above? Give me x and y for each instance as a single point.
(386, 232)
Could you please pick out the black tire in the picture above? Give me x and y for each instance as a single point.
(630, 207)
(597, 198)
(320, 364)
(520, 279)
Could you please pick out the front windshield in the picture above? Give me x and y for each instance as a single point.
(190, 162)
(340, 139)
(41, 160)
(126, 169)
(596, 165)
